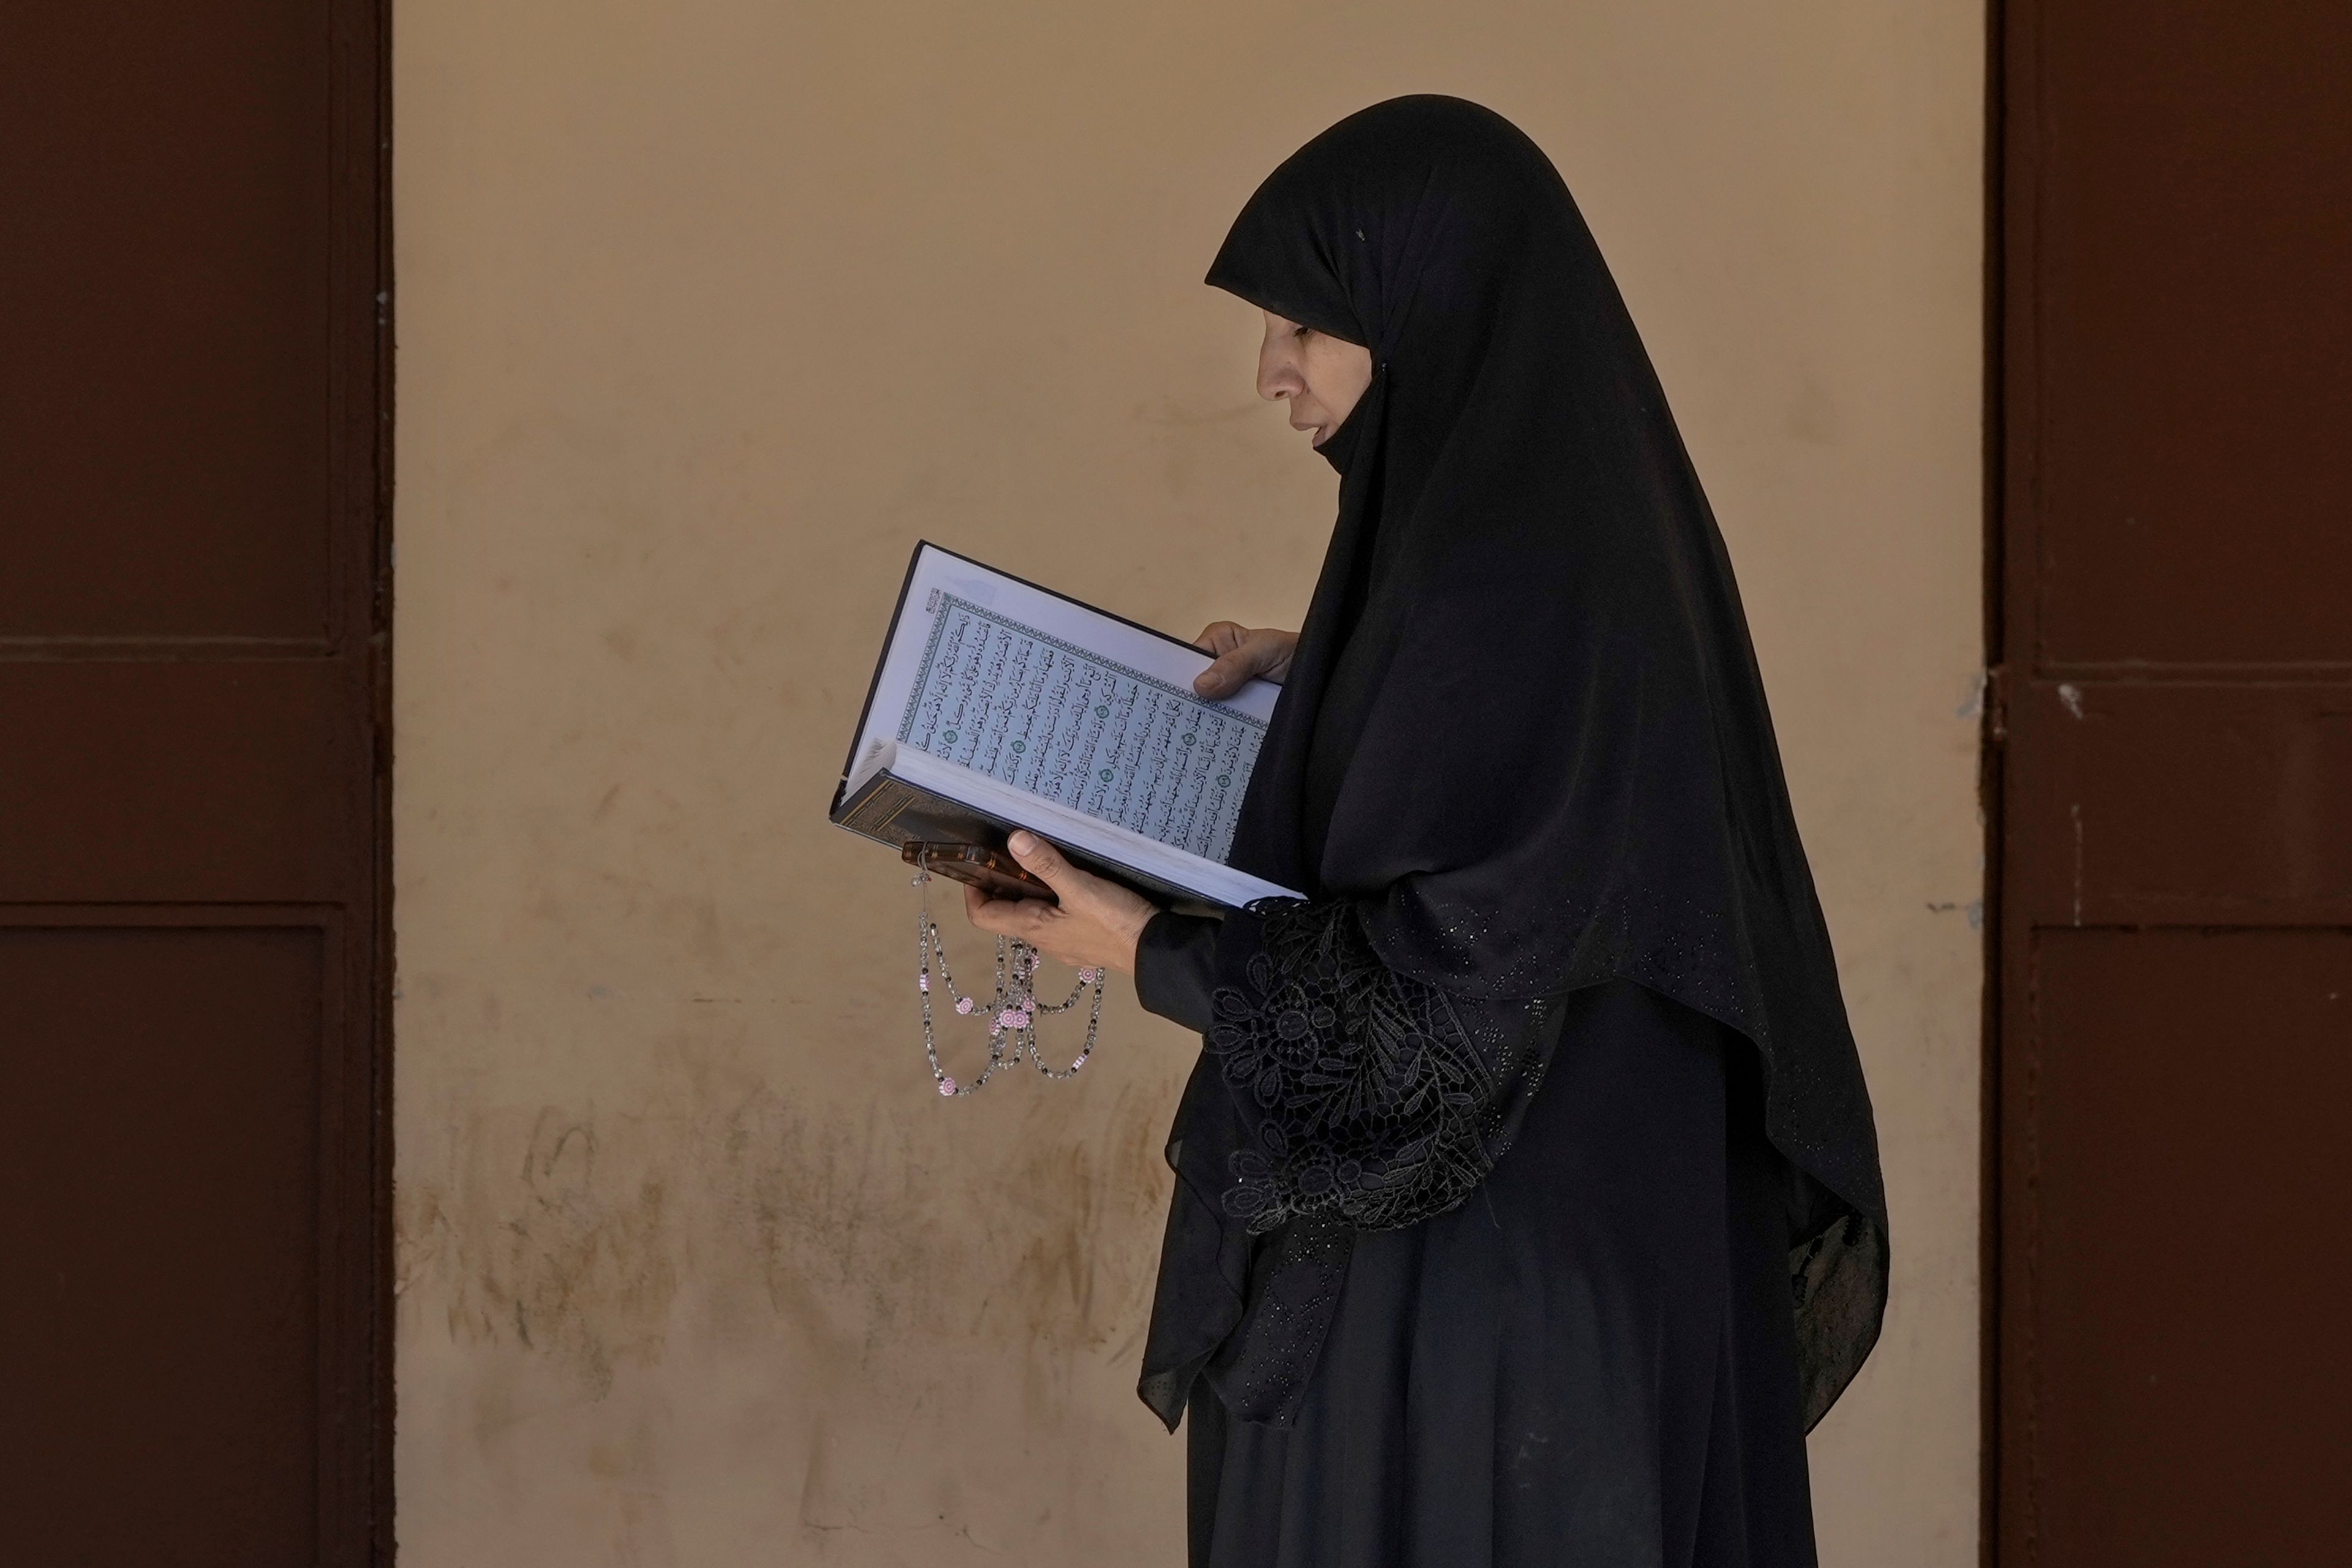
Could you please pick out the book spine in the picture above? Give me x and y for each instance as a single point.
(891, 811)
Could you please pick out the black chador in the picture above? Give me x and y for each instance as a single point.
(1528, 1207)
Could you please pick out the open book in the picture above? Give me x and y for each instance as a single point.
(1000, 705)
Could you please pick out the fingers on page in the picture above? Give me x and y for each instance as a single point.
(1219, 637)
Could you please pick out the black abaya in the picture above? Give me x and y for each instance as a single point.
(1590, 1362)
(1528, 1206)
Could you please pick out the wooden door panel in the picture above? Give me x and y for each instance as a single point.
(2193, 238)
(163, 1238)
(2183, 1360)
(2173, 717)
(2181, 803)
(194, 1361)
(181, 780)
(165, 222)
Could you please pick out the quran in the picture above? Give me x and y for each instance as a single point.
(998, 705)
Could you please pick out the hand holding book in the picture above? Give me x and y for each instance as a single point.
(1098, 923)
(1094, 925)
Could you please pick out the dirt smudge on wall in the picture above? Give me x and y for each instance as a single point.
(707, 314)
(565, 1230)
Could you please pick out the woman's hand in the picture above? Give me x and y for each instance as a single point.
(1096, 924)
(1241, 652)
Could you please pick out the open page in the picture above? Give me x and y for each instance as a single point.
(1065, 703)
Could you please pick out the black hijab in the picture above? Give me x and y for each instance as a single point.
(1524, 731)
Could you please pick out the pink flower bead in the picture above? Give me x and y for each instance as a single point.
(1089, 976)
(1021, 1019)
(963, 1004)
(947, 1086)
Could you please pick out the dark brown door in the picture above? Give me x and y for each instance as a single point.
(2175, 1060)
(192, 848)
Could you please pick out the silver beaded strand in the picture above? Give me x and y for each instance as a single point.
(1012, 1012)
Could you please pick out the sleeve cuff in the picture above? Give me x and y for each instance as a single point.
(1175, 966)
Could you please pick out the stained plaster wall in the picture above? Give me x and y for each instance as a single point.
(706, 310)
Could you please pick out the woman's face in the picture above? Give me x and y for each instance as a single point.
(1319, 375)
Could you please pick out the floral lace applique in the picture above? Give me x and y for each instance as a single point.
(1838, 1281)
(1364, 1089)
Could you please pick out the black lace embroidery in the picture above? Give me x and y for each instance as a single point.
(1368, 1091)
(1838, 1281)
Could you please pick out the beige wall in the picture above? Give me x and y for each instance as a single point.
(706, 310)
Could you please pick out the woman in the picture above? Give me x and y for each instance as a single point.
(1528, 1208)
